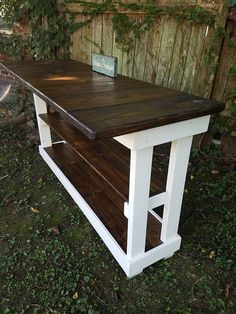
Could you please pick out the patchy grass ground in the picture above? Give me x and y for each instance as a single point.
(46, 270)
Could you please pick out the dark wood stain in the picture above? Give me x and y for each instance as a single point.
(101, 106)
(106, 203)
(108, 158)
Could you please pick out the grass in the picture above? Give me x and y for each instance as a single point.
(42, 271)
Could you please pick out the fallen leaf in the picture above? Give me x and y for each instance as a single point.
(75, 296)
(227, 288)
(186, 191)
(191, 177)
(203, 249)
(55, 230)
(34, 210)
(212, 254)
(215, 172)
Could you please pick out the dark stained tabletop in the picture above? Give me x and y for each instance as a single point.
(101, 106)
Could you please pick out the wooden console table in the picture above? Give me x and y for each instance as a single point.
(108, 129)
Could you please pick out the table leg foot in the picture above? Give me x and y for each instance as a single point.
(131, 273)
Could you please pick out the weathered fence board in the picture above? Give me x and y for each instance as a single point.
(172, 53)
(153, 49)
(140, 54)
(107, 35)
(194, 54)
(118, 53)
(96, 34)
(225, 81)
(166, 51)
(179, 55)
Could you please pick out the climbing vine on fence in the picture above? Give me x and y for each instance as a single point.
(48, 31)
(129, 29)
(38, 29)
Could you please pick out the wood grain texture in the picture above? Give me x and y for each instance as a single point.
(104, 201)
(101, 106)
(140, 53)
(108, 158)
(161, 55)
(77, 50)
(166, 51)
(97, 34)
(107, 41)
(87, 36)
(225, 82)
(153, 49)
(193, 59)
(118, 53)
(212, 48)
(180, 52)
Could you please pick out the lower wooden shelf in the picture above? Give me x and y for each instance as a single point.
(108, 158)
(106, 203)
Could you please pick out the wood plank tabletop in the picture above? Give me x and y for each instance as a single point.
(101, 106)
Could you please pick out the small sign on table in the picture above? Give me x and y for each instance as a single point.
(104, 64)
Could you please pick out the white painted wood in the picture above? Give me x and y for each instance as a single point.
(164, 134)
(154, 201)
(154, 255)
(140, 176)
(108, 239)
(126, 210)
(59, 142)
(130, 267)
(136, 210)
(44, 130)
(157, 200)
(177, 170)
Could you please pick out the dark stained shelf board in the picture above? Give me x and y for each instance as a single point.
(104, 201)
(101, 106)
(107, 157)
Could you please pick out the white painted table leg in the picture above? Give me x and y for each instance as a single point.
(140, 175)
(177, 170)
(44, 130)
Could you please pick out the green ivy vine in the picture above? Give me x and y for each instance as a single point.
(44, 33)
(129, 29)
(49, 32)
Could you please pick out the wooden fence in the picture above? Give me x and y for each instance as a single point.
(225, 80)
(176, 54)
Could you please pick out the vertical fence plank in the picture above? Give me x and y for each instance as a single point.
(166, 51)
(97, 34)
(118, 53)
(128, 62)
(77, 41)
(210, 57)
(128, 58)
(107, 34)
(179, 55)
(87, 36)
(225, 82)
(83, 48)
(231, 81)
(193, 58)
(140, 55)
(170, 54)
(206, 71)
(153, 48)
